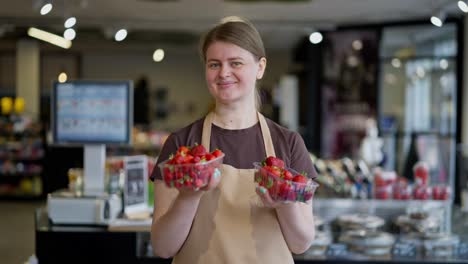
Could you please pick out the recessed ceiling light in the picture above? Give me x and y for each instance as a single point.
(120, 35)
(45, 9)
(316, 37)
(158, 55)
(69, 34)
(70, 22)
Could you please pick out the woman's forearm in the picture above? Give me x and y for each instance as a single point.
(297, 224)
(170, 231)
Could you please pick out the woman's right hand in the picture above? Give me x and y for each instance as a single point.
(213, 183)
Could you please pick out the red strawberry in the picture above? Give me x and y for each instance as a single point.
(198, 150)
(272, 161)
(209, 157)
(287, 175)
(178, 159)
(183, 150)
(284, 190)
(198, 183)
(196, 159)
(274, 171)
(217, 153)
(188, 158)
(300, 179)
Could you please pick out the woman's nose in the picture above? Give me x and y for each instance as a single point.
(224, 71)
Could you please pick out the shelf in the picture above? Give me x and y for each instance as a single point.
(19, 175)
(26, 197)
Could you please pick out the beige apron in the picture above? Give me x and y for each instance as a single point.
(231, 225)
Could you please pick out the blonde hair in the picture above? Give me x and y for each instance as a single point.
(237, 31)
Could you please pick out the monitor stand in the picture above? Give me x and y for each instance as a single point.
(94, 170)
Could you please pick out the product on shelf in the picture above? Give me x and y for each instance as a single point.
(421, 173)
(441, 192)
(360, 221)
(283, 184)
(343, 178)
(402, 189)
(370, 243)
(191, 167)
(21, 156)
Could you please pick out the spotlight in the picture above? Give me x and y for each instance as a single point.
(357, 44)
(120, 35)
(443, 63)
(70, 22)
(438, 19)
(463, 6)
(62, 77)
(158, 55)
(315, 37)
(46, 8)
(69, 34)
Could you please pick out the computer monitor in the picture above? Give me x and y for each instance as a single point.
(92, 114)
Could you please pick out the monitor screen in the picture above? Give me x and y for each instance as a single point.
(92, 112)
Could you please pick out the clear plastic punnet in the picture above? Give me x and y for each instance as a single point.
(284, 190)
(190, 175)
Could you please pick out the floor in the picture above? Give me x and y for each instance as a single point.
(17, 231)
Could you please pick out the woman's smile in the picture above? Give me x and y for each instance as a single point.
(226, 84)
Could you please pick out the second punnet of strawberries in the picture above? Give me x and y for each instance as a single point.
(283, 184)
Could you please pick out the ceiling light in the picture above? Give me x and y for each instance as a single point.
(120, 35)
(158, 55)
(315, 37)
(49, 37)
(463, 6)
(357, 44)
(443, 63)
(396, 63)
(70, 22)
(69, 34)
(436, 21)
(46, 8)
(438, 18)
(62, 77)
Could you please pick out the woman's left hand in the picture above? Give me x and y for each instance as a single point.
(266, 198)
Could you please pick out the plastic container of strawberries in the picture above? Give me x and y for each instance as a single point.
(190, 175)
(282, 190)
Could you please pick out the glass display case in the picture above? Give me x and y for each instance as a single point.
(418, 97)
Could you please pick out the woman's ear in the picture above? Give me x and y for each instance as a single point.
(261, 67)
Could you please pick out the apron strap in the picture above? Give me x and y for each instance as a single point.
(206, 133)
(267, 141)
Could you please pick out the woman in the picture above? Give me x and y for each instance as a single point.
(223, 223)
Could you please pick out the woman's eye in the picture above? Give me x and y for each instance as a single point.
(213, 65)
(236, 63)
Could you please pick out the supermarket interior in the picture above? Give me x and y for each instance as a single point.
(91, 90)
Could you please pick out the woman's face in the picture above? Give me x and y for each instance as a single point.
(231, 72)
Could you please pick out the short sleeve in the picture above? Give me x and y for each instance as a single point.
(300, 157)
(170, 146)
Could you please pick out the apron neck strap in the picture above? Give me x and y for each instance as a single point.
(267, 141)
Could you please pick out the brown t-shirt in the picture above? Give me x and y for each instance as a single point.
(242, 147)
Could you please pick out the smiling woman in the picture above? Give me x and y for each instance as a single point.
(231, 73)
(240, 38)
(230, 219)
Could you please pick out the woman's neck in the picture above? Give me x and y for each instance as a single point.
(229, 117)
